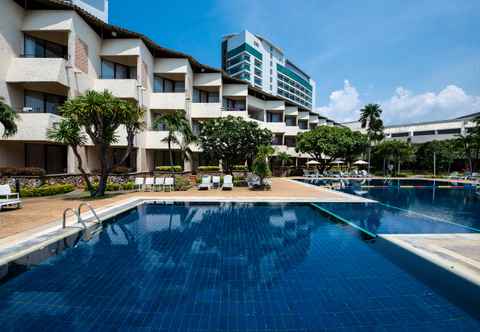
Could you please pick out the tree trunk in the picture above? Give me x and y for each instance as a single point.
(90, 188)
(102, 184)
(130, 138)
(170, 152)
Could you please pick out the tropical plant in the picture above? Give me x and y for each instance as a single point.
(356, 147)
(324, 144)
(395, 151)
(232, 140)
(470, 147)
(370, 119)
(284, 158)
(179, 132)
(8, 118)
(443, 152)
(100, 115)
(260, 165)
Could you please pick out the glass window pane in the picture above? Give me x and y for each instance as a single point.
(52, 103)
(133, 73)
(168, 87)
(180, 86)
(53, 50)
(35, 101)
(157, 84)
(121, 72)
(30, 47)
(108, 70)
(213, 97)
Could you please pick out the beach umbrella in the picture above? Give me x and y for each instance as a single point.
(313, 162)
(337, 162)
(360, 162)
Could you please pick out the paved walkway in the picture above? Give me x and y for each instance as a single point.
(41, 211)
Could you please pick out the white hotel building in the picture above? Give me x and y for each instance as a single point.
(54, 50)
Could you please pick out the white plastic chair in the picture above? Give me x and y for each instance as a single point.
(159, 183)
(206, 182)
(7, 198)
(227, 182)
(216, 181)
(149, 183)
(169, 183)
(139, 183)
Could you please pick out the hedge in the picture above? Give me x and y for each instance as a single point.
(111, 186)
(47, 190)
(208, 168)
(240, 168)
(22, 171)
(168, 168)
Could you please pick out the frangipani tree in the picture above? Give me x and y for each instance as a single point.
(8, 119)
(99, 115)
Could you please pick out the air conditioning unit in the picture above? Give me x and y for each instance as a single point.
(27, 109)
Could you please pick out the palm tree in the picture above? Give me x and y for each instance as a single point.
(179, 130)
(284, 158)
(8, 118)
(370, 118)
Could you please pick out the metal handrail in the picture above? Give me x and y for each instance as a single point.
(90, 208)
(79, 219)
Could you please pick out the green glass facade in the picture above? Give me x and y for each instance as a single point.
(245, 48)
(293, 76)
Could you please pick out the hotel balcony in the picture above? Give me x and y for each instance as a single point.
(303, 115)
(155, 139)
(34, 126)
(167, 101)
(275, 127)
(121, 88)
(39, 70)
(206, 110)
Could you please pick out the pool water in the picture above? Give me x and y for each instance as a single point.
(225, 267)
(459, 205)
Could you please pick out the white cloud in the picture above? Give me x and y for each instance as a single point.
(404, 106)
(344, 104)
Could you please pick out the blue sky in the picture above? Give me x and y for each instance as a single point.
(419, 59)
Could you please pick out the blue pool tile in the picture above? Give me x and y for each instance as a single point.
(225, 267)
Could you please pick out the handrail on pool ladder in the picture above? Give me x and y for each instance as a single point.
(78, 214)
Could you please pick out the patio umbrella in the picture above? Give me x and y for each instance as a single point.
(360, 162)
(313, 162)
(338, 162)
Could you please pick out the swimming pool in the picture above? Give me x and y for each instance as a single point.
(226, 267)
(442, 200)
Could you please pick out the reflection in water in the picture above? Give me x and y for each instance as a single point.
(212, 267)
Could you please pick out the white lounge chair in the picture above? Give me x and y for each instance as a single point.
(138, 183)
(206, 182)
(215, 181)
(7, 198)
(159, 183)
(149, 182)
(227, 182)
(169, 183)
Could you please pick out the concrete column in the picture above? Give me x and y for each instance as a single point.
(142, 160)
(72, 162)
(188, 164)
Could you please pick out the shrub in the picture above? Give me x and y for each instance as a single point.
(208, 168)
(119, 169)
(240, 168)
(182, 183)
(47, 190)
(111, 186)
(22, 171)
(176, 169)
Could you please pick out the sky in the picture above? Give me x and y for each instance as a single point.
(418, 59)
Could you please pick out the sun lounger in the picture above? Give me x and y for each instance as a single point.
(227, 182)
(7, 198)
(169, 183)
(149, 182)
(138, 183)
(454, 175)
(215, 181)
(206, 182)
(159, 183)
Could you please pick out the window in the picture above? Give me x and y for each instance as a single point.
(258, 72)
(233, 105)
(258, 63)
(424, 133)
(274, 117)
(277, 139)
(290, 120)
(258, 81)
(449, 131)
(397, 135)
(116, 71)
(39, 48)
(303, 124)
(41, 102)
(200, 96)
(290, 141)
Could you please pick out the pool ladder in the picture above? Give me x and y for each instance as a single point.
(88, 232)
